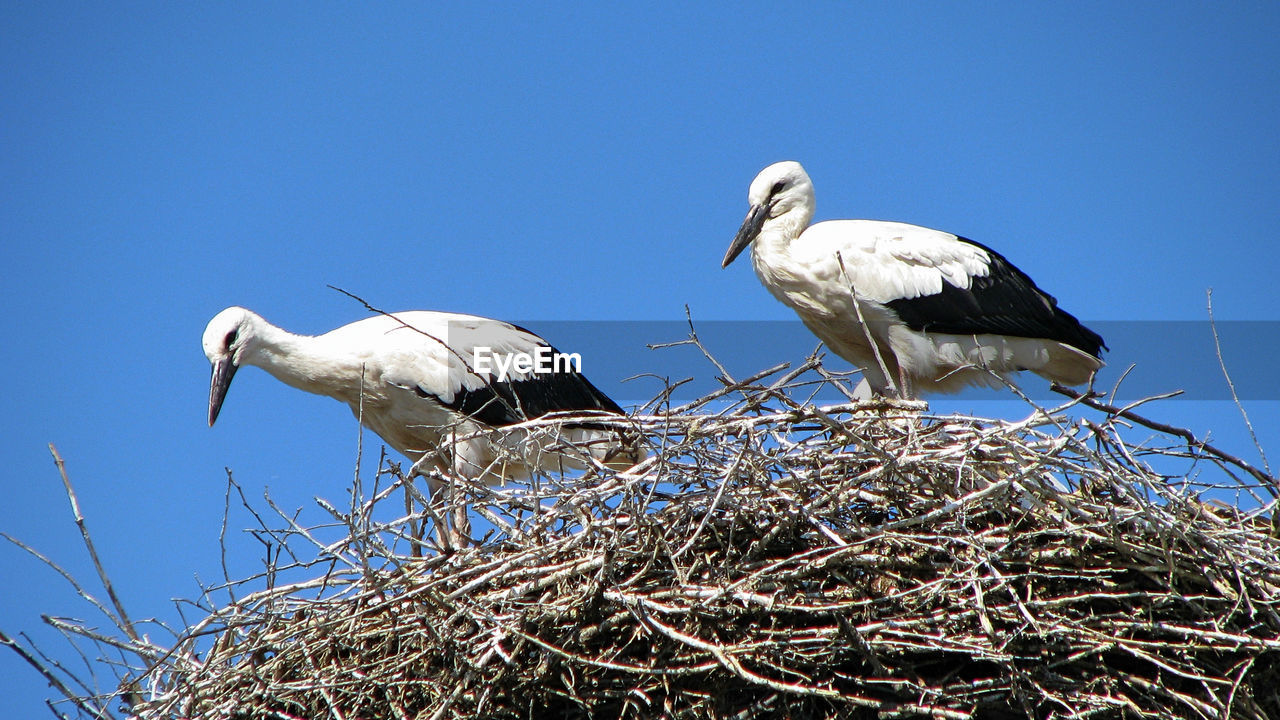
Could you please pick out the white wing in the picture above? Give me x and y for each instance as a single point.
(436, 351)
(887, 261)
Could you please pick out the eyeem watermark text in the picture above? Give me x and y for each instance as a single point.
(543, 361)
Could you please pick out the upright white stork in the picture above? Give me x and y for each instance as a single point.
(417, 378)
(934, 312)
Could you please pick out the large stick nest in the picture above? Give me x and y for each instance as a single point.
(775, 560)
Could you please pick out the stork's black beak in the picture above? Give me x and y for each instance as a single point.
(223, 370)
(748, 232)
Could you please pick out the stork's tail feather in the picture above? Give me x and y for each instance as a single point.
(1067, 365)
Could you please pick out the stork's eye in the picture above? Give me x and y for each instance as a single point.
(231, 338)
(777, 187)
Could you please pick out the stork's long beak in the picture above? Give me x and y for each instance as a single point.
(748, 232)
(223, 370)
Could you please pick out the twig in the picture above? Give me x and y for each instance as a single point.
(866, 331)
(1235, 397)
(53, 679)
(1266, 479)
(125, 623)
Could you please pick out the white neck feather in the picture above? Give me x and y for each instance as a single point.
(777, 233)
(302, 361)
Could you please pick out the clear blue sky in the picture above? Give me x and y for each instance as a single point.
(161, 161)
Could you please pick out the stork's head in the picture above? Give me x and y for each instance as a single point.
(782, 189)
(228, 338)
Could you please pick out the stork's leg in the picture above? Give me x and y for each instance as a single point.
(416, 526)
(437, 481)
(434, 496)
(460, 524)
(453, 524)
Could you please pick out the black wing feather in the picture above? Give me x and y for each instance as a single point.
(515, 401)
(1003, 302)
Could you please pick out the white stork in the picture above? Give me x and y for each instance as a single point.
(412, 378)
(934, 313)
